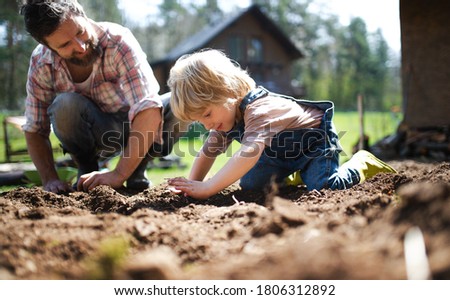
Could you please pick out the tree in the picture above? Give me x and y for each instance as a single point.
(361, 67)
(377, 86)
(103, 10)
(175, 21)
(14, 54)
(209, 13)
(313, 34)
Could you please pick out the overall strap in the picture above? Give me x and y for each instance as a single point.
(253, 95)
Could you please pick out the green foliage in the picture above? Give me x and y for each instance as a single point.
(102, 10)
(15, 49)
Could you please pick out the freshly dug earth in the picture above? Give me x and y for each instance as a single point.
(357, 233)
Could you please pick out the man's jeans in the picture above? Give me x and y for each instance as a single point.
(89, 134)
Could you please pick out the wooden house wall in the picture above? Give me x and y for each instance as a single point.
(276, 66)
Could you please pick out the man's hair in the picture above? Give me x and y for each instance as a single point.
(42, 17)
(203, 78)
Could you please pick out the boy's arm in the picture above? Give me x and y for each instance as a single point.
(201, 166)
(238, 165)
(214, 145)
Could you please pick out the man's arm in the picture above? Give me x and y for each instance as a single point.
(144, 129)
(41, 153)
(143, 132)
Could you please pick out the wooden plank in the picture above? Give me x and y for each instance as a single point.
(17, 122)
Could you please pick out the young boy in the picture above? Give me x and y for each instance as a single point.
(279, 135)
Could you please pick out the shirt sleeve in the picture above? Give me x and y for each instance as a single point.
(40, 93)
(137, 81)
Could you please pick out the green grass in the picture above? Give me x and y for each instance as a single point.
(17, 140)
(377, 125)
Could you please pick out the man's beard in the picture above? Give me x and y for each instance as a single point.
(89, 58)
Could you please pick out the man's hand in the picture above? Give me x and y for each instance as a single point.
(57, 186)
(192, 188)
(89, 181)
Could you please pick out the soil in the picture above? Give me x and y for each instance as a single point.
(357, 233)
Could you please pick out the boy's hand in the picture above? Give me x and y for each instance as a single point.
(191, 188)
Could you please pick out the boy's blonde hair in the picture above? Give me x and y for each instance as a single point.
(204, 78)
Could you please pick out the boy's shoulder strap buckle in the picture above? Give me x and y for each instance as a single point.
(252, 96)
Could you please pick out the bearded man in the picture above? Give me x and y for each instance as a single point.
(91, 82)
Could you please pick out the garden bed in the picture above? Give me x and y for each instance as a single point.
(357, 233)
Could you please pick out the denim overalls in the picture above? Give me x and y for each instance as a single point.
(313, 151)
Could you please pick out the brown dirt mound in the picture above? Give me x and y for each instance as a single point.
(287, 234)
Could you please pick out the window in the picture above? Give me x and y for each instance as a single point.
(248, 50)
(236, 48)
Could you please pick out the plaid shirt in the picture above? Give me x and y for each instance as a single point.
(123, 80)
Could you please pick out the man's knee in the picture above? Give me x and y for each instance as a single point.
(67, 103)
(173, 128)
(63, 113)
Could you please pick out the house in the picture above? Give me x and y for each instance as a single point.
(252, 39)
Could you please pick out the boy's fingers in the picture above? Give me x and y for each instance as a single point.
(174, 190)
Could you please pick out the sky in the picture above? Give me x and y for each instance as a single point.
(377, 14)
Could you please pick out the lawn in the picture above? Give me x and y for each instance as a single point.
(377, 125)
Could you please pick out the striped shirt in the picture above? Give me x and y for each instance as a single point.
(122, 78)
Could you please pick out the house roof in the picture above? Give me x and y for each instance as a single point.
(201, 39)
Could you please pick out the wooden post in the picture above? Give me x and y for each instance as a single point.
(6, 139)
(361, 122)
